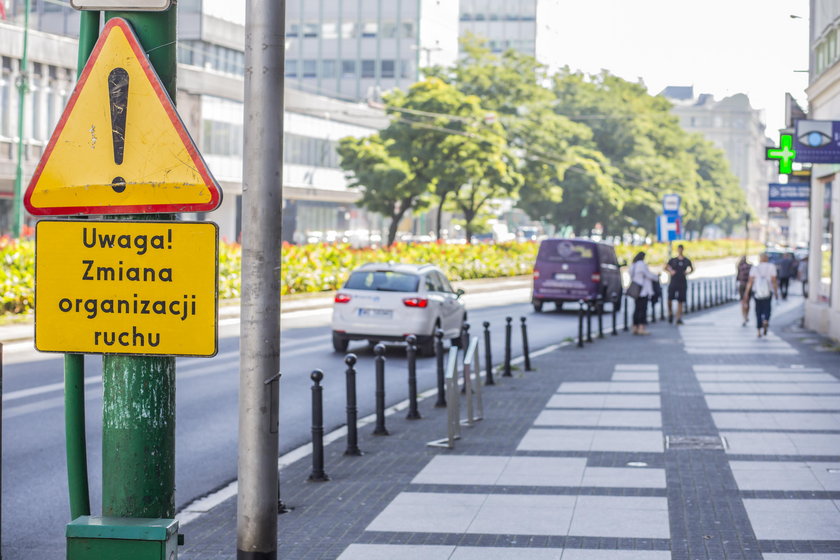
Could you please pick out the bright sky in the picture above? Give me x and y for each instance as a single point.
(720, 47)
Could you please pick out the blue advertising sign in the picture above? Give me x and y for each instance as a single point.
(817, 141)
(669, 227)
(671, 204)
(787, 195)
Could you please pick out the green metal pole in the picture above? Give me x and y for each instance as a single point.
(74, 364)
(23, 86)
(138, 416)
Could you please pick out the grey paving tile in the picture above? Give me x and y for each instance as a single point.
(605, 401)
(391, 551)
(462, 469)
(501, 553)
(752, 377)
(429, 513)
(636, 367)
(627, 477)
(606, 418)
(786, 475)
(584, 554)
(782, 443)
(503, 471)
(777, 420)
(794, 519)
(758, 368)
(611, 516)
(772, 402)
(563, 439)
(788, 388)
(525, 515)
(799, 556)
(608, 387)
(635, 376)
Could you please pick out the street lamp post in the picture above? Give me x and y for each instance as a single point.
(23, 86)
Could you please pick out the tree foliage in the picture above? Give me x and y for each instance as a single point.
(572, 149)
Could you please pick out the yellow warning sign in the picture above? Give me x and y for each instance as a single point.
(120, 287)
(120, 146)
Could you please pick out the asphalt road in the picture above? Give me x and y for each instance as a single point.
(34, 497)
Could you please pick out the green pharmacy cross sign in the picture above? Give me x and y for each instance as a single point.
(785, 154)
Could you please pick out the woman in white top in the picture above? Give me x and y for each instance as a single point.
(763, 285)
(641, 274)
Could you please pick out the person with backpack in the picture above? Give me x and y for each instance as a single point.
(763, 285)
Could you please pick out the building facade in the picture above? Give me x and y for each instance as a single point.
(354, 49)
(317, 203)
(822, 308)
(736, 128)
(526, 26)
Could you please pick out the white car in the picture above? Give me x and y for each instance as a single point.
(391, 301)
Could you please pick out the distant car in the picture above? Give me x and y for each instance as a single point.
(570, 270)
(387, 302)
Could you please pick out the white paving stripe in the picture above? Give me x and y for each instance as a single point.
(787, 388)
(772, 377)
(777, 420)
(570, 439)
(781, 443)
(600, 418)
(799, 520)
(790, 476)
(604, 401)
(772, 402)
(608, 387)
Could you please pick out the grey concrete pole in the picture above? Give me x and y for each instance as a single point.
(262, 193)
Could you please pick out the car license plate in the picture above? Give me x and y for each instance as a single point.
(383, 313)
(564, 276)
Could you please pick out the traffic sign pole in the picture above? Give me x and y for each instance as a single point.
(138, 418)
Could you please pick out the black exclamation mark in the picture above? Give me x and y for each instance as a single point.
(118, 92)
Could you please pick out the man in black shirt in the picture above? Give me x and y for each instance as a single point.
(678, 267)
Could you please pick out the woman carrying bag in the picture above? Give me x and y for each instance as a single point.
(640, 274)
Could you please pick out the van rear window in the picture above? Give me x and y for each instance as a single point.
(382, 280)
(565, 251)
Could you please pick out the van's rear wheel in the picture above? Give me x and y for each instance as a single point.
(538, 305)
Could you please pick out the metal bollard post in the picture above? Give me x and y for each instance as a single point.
(652, 306)
(615, 330)
(411, 356)
(465, 337)
(588, 322)
(352, 411)
(706, 294)
(488, 356)
(626, 303)
(508, 333)
(441, 381)
(600, 308)
(580, 324)
(318, 474)
(525, 352)
(380, 429)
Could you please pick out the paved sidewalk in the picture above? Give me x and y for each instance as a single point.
(699, 442)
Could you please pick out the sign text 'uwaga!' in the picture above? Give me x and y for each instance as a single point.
(126, 287)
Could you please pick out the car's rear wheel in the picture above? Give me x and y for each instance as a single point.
(538, 305)
(340, 343)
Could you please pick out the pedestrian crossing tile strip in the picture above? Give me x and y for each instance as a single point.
(781, 426)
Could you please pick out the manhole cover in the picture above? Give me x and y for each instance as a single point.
(695, 442)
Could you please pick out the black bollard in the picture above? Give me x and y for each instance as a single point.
(615, 330)
(318, 474)
(352, 411)
(465, 338)
(411, 356)
(652, 305)
(380, 429)
(525, 352)
(588, 322)
(580, 324)
(706, 302)
(508, 333)
(626, 303)
(599, 306)
(488, 357)
(441, 382)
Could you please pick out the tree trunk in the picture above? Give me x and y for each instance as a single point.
(439, 215)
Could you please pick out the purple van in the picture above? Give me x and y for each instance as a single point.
(570, 270)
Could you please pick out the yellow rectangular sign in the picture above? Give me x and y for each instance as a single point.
(119, 287)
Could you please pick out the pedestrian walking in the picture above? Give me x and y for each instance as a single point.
(802, 275)
(640, 274)
(743, 276)
(679, 268)
(763, 285)
(786, 270)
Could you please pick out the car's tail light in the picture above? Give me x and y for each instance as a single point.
(596, 277)
(342, 298)
(536, 274)
(415, 302)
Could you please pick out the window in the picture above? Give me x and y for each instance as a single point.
(407, 69)
(369, 29)
(387, 69)
(221, 138)
(329, 30)
(293, 30)
(408, 30)
(368, 69)
(382, 280)
(309, 68)
(347, 30)
(388, 30)
(348, 68)
(328, 68)
(310, 30)
(308, 151)
(291, 68)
